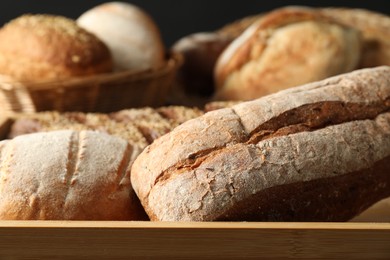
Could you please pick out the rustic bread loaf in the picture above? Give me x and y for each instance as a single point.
(67, 175)
(46, 47)
(130, 33)
(319, 152)
(138, 126)
(285, 48)
(375, 29)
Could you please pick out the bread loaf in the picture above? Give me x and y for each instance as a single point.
(130, 33)
(138, 126)
(67, 175)
(285, 48)
(319, 152)
(375, 29)
(36, 48)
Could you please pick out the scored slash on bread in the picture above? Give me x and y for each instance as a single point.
(319, 152)
(67, 175)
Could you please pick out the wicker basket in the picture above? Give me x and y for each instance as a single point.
(100, 93)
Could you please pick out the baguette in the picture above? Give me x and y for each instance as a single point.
(319, 152)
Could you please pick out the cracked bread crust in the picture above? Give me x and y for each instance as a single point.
(198, 175)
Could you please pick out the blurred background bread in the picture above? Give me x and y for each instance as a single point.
(375, 29)
(48, 47)
(130, 33)
(285, 48)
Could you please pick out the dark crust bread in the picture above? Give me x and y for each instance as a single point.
(47, 47)
(321, 132)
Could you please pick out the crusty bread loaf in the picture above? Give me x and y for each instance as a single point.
(67, 175)
(138, 126)
(285, 48)
(130, 33)
(46, 47)
(319, 152)
(375, 29)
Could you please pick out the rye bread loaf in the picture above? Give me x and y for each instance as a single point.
(67, 175)
(319, 152)
(138, 126)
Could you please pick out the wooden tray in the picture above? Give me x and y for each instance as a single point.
(218, 240)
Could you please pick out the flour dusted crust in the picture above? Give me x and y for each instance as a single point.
(285, 48)
(224, 165)
(47, 47)
(67, 175)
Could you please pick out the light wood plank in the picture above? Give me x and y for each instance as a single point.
(118, 240)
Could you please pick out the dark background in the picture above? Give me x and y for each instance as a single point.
(177, 18)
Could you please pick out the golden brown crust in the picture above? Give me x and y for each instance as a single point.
(285, 48)
(47, 47)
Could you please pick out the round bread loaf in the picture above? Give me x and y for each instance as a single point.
(67, 175)
(46, 47)
(129, 32)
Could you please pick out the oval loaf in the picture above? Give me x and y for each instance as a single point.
(67, 175)
(319, 152)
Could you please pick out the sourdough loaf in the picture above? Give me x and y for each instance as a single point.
(319, 152)
(285, 48)
(46, 48)
(67, 175)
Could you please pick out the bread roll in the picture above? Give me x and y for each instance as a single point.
(285, 48)
(67, 175)
(37, 48)
(129, 32)
(319, 152)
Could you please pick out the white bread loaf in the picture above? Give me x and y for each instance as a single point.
(67, 175)
(130, 33)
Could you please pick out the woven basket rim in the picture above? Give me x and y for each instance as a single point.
(173, 61)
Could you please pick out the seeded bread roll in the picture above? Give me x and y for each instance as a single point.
(319, 152)
(45, 48)
(67, 175)
(285, 48)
